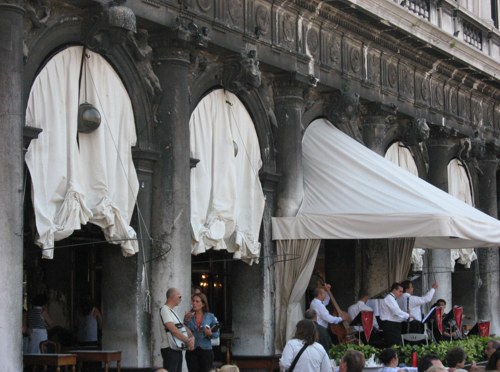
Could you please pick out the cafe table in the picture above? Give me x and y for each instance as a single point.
(103, 356)
(53, 360)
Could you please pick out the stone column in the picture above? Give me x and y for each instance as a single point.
(289, 106)
(126, 280)
(488, 302)
(249, 338)
(11, 196)
(376, 123)
(439, 260)
(171, 225)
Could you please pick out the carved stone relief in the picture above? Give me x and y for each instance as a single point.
(353, 60)
(242, 72)
(476, 111)
(496, 118)
(373, 73)
(333, 49)
(287, 30)
(452, 99)
(406, 82)
(488, 112)
(343, 111)
(204, 5)
(464, 105)
(312, 42)
(414, 131)
(37, 16)
(235, 12)
(262, 21)
(437, 95)
(391, 74)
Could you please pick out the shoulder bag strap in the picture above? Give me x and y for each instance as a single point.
(295, 360)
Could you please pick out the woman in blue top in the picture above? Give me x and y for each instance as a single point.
(202, 325)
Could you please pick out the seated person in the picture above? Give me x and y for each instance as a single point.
(448, 330)
(390, 360)
(428, 361)
(353, 311)
(455, 359)
(494, 362)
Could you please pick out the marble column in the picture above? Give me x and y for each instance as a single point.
(439, 260)
(289, 106)
(126, 280)
(488, 301)
(171, 225)
(11, 195)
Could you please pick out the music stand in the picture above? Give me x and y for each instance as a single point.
(428, 318)
(357, 322)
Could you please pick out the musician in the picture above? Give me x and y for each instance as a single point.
(412, 304)
(323, 316)
(355, 309)
(392, 316)
(448, 331)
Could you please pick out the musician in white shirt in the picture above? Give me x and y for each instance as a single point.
(358, 307)
(412, 304)
(324, 317)
(391, 316)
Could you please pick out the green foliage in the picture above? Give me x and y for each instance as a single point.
(473, 345)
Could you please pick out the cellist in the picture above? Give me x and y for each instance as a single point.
(323, 315)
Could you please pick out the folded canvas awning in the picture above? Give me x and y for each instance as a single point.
(350, 192)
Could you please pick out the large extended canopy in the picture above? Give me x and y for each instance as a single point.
(350, 192)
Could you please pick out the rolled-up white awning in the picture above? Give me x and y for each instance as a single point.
(350, 192)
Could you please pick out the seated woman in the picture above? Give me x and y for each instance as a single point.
(89, 323)
(313, 357)
(449, 332)
(390, 360)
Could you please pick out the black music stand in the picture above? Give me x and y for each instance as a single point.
(429, 318)
(357, 322)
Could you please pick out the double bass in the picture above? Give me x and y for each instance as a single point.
(343, 331)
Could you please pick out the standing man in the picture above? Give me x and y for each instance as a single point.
(391, 316)
(412, 304)
(172, 327)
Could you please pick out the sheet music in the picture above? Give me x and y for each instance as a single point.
(428, 314)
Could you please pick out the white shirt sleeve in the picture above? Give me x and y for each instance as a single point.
(287, 356)
(325, 363)
(323, 314)
(417, 301)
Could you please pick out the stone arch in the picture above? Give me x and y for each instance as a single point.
(211, 80)
(64, 34)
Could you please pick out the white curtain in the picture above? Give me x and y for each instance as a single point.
(460, 187)
(296, 259)
(227, 201)
(401, 155)
(79, 178)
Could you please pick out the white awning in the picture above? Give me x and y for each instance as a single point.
(350, 192)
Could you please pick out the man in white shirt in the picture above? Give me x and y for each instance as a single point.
(324, 316)
(171, 327)
(353, 311)
(412, 304)
(391, 316)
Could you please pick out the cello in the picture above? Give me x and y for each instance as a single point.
(343, 331)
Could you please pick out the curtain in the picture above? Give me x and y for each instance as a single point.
(296, 259)
(401, 155)
(227, 201)
(79, 178)
(399, 258)
(460, 187)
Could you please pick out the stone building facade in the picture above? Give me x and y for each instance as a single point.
(289, 62)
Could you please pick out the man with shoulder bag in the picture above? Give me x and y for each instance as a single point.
(174, 336)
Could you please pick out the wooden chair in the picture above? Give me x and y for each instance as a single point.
(50, 347)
